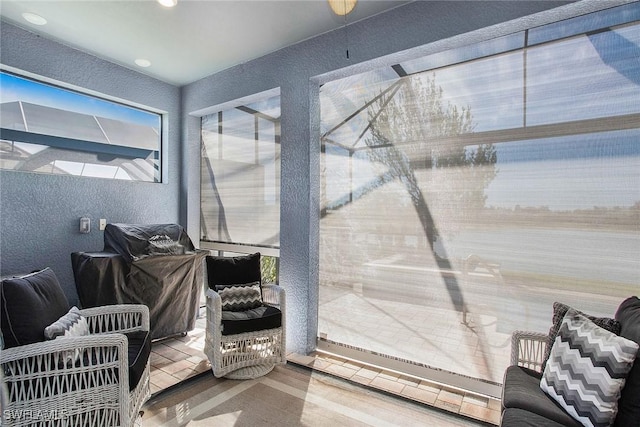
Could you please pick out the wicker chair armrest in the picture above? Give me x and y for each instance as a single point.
(273, 295)
(62, 346)
(117, 318)
(214, 308)
(41, 376)
(528, 349)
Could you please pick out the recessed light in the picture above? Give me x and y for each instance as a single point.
(168, 3)
(33, 18)
(144, 63)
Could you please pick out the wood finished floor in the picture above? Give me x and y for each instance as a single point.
(289, 396)
(182, 359)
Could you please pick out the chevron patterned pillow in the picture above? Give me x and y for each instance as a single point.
(72, 324)
(587, 370)
(240, 297)
(559, 311)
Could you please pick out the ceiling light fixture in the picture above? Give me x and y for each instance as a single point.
(168, 3)
(144, 63)
(341, 7)
(34, 19)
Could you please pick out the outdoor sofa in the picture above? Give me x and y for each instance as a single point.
(580, 373)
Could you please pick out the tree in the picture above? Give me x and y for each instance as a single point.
(413, 138)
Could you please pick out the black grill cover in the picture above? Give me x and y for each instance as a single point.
(135, 241)
(165, 273)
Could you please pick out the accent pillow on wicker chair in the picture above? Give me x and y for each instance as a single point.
(240, 297)
(72, 324)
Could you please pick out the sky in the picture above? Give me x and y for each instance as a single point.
(14, 88)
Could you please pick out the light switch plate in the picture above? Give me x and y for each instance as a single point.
(103, 223)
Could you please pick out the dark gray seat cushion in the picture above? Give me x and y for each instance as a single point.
(522, 391)
(138, 352)
(257, 319)
(514, 417)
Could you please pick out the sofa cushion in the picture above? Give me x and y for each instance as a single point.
(516, 417)
(521, 390)
(138, 352)
(628, 314)
(559, 311)
(587, 370)
(240, 297)
(233, 270)
(258, 319)
(28, 304)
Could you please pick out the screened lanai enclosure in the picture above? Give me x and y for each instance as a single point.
(240, 174)
(463, 192)
(240, 181)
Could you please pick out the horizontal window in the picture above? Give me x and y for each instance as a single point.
(48, 129)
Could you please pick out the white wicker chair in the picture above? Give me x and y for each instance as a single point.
(528, 349)
(249, 354)
(42, 390)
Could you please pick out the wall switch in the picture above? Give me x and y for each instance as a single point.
(103, 223)
(85, 224)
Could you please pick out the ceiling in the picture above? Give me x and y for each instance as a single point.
(192, 40)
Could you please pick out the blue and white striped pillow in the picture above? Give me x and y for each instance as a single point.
(587, 370)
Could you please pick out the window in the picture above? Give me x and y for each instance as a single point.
(240, 177)
(464, 192)
(48, 129)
